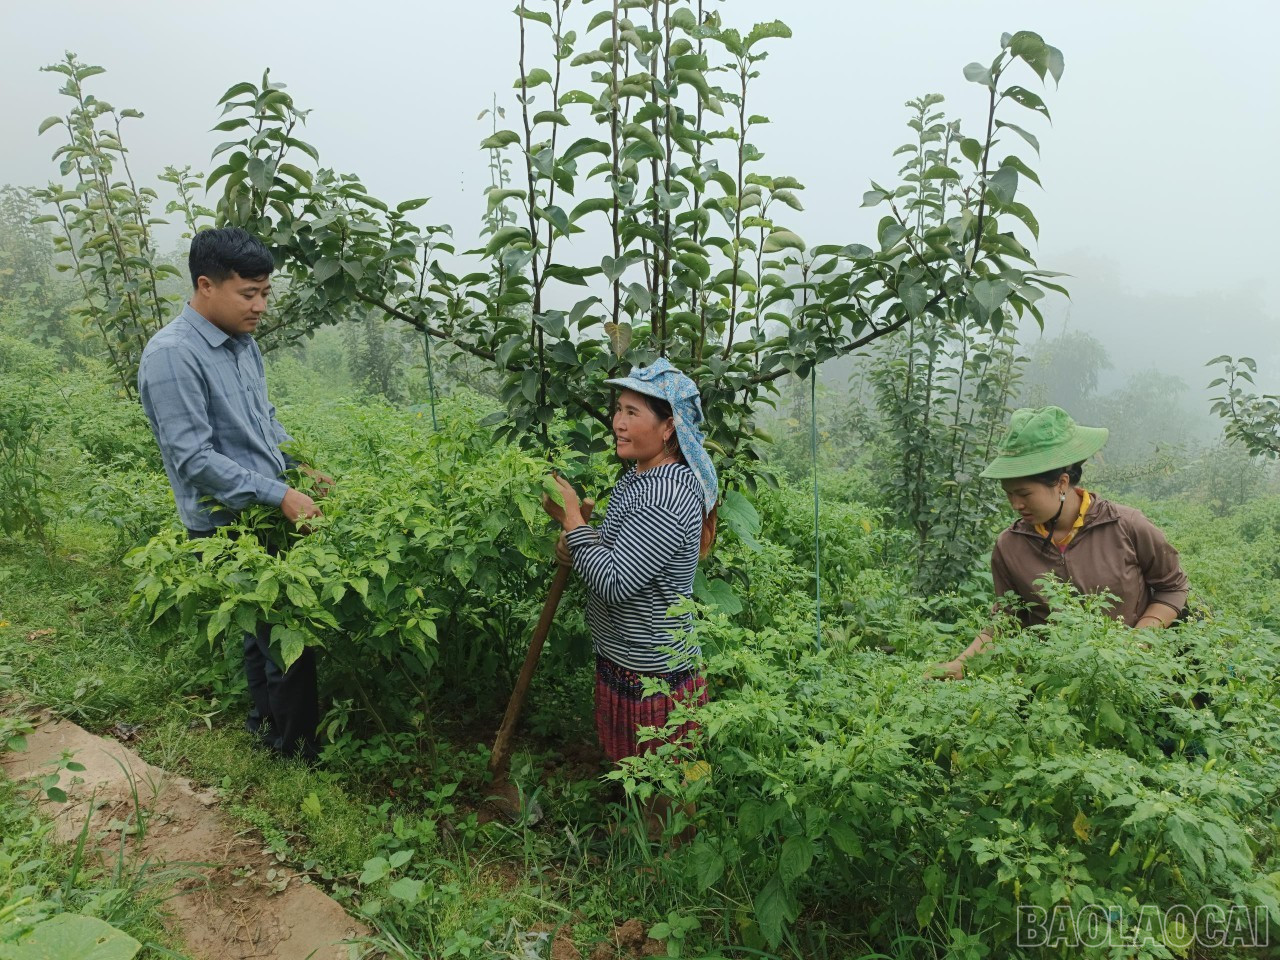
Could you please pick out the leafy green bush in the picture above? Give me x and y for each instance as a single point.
(1074, 767)
(131, 498)
(433, 553)
(26, 508)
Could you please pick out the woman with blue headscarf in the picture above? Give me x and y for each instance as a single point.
(641, 560)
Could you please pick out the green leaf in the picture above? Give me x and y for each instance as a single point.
(924, 910)
(534, 78)
(539, 15)
(374, 870)
(1054, 61)
(763, 31)
(17, 743)
(890, 233)
(797, 857)
(1030, 138)
(407, 889)
(716, 593)
(326, 269)
(311, 807)
(495, 196)
(977, 73)
(1022, 168)
(259, 174)
(695, 79)
(72, 936)
(739, 515)
(940, 171)
(505, 236)
(298, 175)
(556, 216)
(551, 116)
(989, 294)
(1023, 213)
(585, 145)
(613, 268)
(499, 140)
(789, 198)
(782, 240)
(1028, 99)
(291, 642)
(845, 839)
(1004, 183)
(603, 204)
(708, 868)
(412, 204)
(1109, 718)
(914, 297)
(972, 149)
(46, 123)
(529, 381)
(552, 490)
(239, 90)
(774, 908)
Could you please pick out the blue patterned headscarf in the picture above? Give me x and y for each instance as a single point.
(661, 379)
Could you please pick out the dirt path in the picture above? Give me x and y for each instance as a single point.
(228, 910)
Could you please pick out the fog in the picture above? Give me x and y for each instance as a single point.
(1157, 196)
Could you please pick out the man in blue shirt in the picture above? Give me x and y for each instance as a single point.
(204, 390)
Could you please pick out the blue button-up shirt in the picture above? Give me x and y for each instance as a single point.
(205, 393)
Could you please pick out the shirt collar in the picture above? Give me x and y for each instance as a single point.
(1086, 501)
(212, 335)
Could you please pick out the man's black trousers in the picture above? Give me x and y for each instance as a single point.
(285, 710)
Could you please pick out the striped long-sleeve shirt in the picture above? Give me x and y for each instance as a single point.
(205, 394)
(638, 563)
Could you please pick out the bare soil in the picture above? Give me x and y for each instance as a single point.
(236, 902)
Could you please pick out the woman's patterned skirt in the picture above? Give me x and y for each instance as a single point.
(622, 708)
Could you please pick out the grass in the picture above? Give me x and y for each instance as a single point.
(40, 877)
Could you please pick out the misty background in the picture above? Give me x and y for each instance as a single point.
(1151, 201)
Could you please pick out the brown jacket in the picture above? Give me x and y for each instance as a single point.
(1117, 550)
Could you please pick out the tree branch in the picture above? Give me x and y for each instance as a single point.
(425, 327)
(871, 337)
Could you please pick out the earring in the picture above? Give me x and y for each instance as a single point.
(1062, 497)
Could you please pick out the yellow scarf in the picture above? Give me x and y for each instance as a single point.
(1085, 501)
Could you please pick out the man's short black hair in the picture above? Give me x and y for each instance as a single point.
(217, 254)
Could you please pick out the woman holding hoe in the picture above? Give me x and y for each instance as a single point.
(641, 560)
(1065, 531)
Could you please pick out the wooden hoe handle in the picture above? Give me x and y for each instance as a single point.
(502, 743)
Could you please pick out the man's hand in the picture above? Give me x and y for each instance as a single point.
(298, 507)
(563, 556)
(324, 482)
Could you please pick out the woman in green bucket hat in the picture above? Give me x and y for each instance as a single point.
(1065, 531)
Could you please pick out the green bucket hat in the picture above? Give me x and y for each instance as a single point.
(1043, 439)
